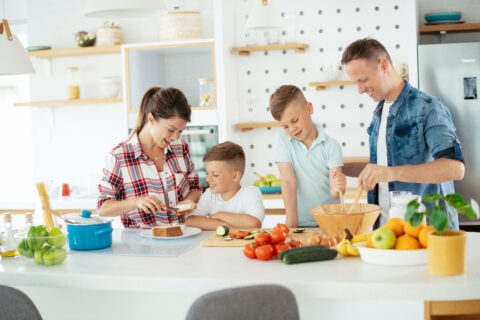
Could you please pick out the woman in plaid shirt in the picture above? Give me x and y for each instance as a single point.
(152, 170)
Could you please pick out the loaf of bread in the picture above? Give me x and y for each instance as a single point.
(167, 231)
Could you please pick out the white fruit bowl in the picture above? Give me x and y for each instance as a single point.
(393, 257)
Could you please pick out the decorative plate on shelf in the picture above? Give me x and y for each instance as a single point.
(444, 22)
(270, 190)
(393, 257)
(37, 48)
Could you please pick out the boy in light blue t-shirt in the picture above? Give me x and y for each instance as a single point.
(309, 161)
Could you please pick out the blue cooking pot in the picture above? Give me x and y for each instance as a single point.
(88, 233)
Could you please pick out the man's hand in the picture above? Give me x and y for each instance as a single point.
(373, 174)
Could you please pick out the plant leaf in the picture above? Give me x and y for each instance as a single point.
(462, 208)
(416, 219)
(432, 197)
(438, 219)
(454, 199)
(411, 208)
(475, 209)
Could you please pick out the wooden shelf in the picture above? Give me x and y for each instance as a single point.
(460, 27)
(55, 53)
(356, 159)
(57, 103)
(323, 85)
(245, 51)
(272, 196)
(253, 125)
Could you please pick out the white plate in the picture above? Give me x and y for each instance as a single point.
(393, 257)
(187, 232)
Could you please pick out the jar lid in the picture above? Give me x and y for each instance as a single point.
(85, 218)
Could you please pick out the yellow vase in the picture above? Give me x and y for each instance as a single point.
(446, 252)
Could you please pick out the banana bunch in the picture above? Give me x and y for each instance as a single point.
(346, 247)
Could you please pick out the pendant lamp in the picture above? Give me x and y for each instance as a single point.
(264, 16)
(13, 58)
(119, 9)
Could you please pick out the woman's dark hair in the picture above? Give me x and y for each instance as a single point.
(162, 104)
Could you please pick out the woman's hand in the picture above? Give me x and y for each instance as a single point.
(150, 204)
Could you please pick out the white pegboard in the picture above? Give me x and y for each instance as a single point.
(327, 28)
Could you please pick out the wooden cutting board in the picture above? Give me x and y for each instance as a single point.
(217, 241)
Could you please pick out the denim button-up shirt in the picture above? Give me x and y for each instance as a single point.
(419, 130)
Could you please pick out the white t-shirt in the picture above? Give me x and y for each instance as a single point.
(247, 200)
(383, 195)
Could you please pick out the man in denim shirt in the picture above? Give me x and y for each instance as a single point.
(413, 145)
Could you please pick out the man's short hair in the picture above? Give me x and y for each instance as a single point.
(282, 97)
(229, 152)
(370, 49)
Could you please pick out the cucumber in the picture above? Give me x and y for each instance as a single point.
(303, 249)
(249, 237)
(299, 230)
(320, 254)
(222, 231)
(255, 231)
(227, 238)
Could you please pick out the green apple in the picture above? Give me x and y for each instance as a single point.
(56, 238)
(264, 183)
(270, 178)
(276, 183)
(257, 183)
(384, 238)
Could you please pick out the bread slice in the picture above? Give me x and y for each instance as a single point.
(167, 231)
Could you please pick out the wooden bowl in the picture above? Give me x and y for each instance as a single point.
(330, 219)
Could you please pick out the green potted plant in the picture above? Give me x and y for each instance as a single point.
(446, 248)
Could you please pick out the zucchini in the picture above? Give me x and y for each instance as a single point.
(320, 254)
(249, 237)
(222, 231)
(299, 230)
(303, 249)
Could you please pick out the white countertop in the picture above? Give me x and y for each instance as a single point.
(90, 276)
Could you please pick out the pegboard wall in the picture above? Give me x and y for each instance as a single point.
(327, 28)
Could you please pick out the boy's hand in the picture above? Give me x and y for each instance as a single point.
(339, 181)
(188, 202)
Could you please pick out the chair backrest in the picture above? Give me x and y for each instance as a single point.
(16, 305)
(253, 302)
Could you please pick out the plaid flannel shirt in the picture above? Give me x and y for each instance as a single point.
(129, 173)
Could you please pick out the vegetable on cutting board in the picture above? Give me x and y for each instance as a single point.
(222, 231)
(308, 254)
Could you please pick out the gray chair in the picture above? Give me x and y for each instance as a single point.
(253, 302)
(16, 305)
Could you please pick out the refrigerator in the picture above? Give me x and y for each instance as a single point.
(452, 73)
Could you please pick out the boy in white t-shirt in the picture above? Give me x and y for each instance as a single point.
(226, 202)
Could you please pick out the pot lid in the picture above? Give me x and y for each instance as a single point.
(85, 218)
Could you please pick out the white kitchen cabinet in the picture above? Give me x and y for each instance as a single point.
(178, 64)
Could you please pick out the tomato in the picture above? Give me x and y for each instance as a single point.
(262, 238)
(264, 252)
(240, 234)
(249, 250)
(283, 227)
(282, 246)
(278, 236)
(295, 243)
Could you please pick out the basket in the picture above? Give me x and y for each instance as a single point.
(180, 25)
(330, 219)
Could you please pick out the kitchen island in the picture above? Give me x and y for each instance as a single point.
(105, 285)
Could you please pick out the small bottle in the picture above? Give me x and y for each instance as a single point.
(9, 245)
(28, 221)
(207, 92)
(73, 85)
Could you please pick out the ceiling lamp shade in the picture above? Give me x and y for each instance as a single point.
(119, 9)
(13, 58)
(264, 15)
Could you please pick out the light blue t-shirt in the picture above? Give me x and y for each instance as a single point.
(311, 170)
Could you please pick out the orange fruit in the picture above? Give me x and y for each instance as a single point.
(396, 225)
(407, 242)
(369, 241)
(413, 231)
(423, 235)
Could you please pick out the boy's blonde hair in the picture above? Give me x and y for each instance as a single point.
(282, 97)
(229, 152)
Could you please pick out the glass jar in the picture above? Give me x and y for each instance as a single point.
(73, 83)
(207, 92)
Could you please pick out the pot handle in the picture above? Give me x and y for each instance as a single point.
(105, 230)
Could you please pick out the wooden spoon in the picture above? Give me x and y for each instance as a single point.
(340, 193)
(355, 201)
(259, 175)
